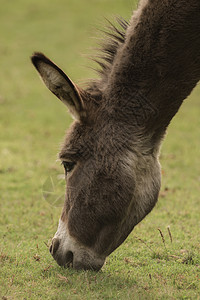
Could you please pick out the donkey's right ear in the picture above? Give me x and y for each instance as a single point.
(59, 84)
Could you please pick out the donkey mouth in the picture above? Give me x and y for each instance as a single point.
(71, 255)
(62, 260)
(69, 260)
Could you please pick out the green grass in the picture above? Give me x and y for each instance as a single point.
(32, 124)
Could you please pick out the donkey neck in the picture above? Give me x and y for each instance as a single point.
(158, 60)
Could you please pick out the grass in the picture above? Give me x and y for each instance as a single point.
(156, 261)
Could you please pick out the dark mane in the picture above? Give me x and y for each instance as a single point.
(114, 37)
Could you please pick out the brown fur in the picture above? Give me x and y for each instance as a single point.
(148, 69)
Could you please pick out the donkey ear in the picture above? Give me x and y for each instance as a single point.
(59, 84)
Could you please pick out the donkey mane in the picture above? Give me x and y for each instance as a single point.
(114, 37)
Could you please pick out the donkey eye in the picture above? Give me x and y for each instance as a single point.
(68, 165)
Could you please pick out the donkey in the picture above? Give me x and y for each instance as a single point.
(111, 151)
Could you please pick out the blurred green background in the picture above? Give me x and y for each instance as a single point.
(32, 126)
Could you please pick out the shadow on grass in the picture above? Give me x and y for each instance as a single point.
(104, 284)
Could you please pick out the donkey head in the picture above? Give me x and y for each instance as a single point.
(112, 181)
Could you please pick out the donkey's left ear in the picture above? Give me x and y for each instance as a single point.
(59, 84)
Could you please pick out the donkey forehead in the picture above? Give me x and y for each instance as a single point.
(83, 140)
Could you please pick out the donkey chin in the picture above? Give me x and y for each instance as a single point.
(69, 253)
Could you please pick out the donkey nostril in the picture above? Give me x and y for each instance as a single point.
(69, 258)
(54, 246)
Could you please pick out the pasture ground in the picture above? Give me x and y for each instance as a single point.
(149, 264)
